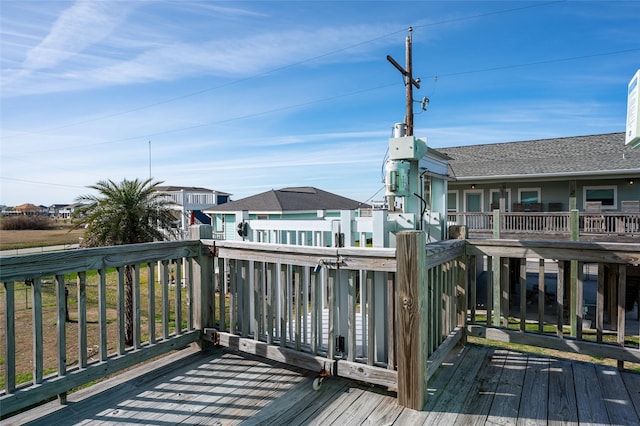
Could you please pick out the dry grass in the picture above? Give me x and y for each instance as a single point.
(62, 234)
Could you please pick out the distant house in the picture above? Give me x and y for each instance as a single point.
(28, 209)
(64, 211)
(54, 210)
(188, 202)
(293, 203)
(595, 172)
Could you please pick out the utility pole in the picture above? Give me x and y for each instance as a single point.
(409, 83)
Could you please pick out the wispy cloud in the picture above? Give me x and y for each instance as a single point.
(77, 28)
(88, 23)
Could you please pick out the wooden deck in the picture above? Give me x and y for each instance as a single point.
(477, 385)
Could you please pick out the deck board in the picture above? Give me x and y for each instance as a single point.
(475, 409)
(534, 403)
(563, 408)
(476, 384)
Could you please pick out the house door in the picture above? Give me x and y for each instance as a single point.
(473, 204)
(473, 201)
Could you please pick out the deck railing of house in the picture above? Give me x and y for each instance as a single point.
(562, 308)
(329, 309)
(95, 281)
(191, 200)
(384, 316)
(559, 223)
(332, 309)
(347, 230)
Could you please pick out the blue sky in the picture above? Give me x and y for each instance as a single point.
(243, 97)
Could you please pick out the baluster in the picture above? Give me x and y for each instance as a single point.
(121, 309)
(541, 295)
(82, 319)
(178, 296)
(151, 297)
(137, 336)
(10, 337)
(38, 345)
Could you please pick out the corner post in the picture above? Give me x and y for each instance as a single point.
(203, 297)
(411, 300)
(574, 228)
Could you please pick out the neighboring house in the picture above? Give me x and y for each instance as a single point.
(190, 201)
(29, 209)
(296, 203)
(66, 211)
(594, 172)
(54, 210)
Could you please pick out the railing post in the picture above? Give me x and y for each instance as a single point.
(411, 300)
(496, 224)
(203, 293)
(574, 227)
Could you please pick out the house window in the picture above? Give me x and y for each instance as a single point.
(452, 201)
(495, 199)
(607, 195)
(529, 195)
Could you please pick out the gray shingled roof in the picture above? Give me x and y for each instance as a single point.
(304, 198)
(589, 155)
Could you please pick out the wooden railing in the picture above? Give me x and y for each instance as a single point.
(563, 308)
(82, 292)
(329, 309)
(549, 223)
(332, 309)
(384, 316)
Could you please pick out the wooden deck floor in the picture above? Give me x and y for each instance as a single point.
(477, 385)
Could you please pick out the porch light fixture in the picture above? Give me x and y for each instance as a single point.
(630, 181)
(473, 186)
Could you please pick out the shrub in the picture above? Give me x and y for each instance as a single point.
(15, 223)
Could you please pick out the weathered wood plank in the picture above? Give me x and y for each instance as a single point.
(482, 392)
(563, 409)
(71, 261)
(10, 337)
(411, 298)
(367, 373)
(121, 295)
(38, 342)
(82, 318)
(560, 250)
(275, 353)
(508, 391)
(350, 258)
(567, 345)
(632, 383)
(446, 408)
(591, 409)
(535, 392)
(616, 397)
(444, 349)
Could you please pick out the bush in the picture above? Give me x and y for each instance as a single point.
(17, 223)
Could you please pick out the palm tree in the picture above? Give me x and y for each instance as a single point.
(128, 212)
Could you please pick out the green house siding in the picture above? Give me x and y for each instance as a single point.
(555, 192)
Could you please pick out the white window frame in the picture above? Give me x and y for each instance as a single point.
(507, 201)
(615, 196)
(457, 193)
(521, 190)
(473, 191)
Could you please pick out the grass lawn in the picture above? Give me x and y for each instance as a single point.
(62, 234)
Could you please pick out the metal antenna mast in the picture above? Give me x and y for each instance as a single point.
(409, 83)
